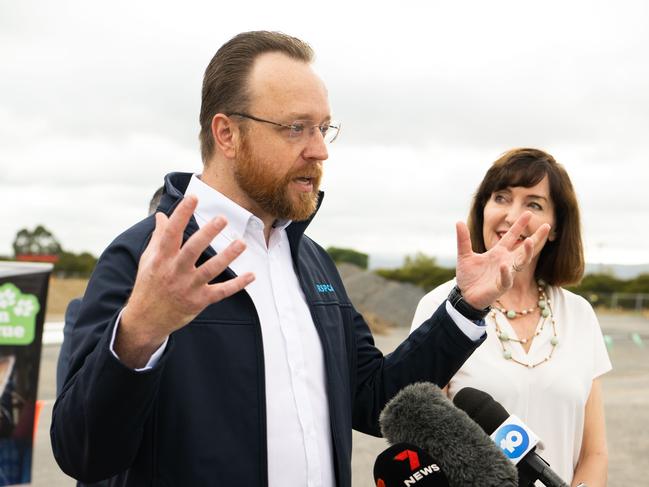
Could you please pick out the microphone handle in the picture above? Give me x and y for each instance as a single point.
(526, 477)
(541, 471)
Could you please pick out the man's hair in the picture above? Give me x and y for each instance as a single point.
(155, 200)
(225, 84)
(561, 261)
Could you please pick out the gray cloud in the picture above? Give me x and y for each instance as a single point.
(97, 102)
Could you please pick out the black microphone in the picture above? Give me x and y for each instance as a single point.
(515, 439)
(421, 414)
(404, 464)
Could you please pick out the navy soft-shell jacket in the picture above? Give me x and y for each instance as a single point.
(198, 418)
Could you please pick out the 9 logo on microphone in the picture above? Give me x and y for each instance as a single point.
(512, 440)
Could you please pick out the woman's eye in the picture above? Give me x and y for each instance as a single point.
(536, 206)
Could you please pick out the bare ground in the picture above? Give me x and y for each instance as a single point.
(60, 292)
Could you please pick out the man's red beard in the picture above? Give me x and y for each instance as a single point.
(271, 191)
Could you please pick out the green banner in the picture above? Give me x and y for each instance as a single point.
(17, 315)
(23, 295)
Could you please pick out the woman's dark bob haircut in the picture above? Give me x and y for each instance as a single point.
(561, 261)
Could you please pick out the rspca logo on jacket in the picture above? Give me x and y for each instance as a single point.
(324, 288)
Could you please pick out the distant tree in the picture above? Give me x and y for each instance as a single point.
(598, 288)
(41, 245)
(598, 283)
(638, 285)
(348, 255)
(75, 265)
(23, 242)
(420, 270)
(38, 242)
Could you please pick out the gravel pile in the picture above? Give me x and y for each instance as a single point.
(392, 302)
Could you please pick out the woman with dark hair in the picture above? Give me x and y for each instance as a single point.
(544, 351)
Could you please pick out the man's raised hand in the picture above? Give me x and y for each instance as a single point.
(483, 278)
(169, 289)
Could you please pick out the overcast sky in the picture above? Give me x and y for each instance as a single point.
(99, 100)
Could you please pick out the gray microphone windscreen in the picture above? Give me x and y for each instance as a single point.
(421, 414)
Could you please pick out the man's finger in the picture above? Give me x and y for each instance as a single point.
(222, 290)
(217, 264)
(173, 234)
(464, 248)
(158, 231)
(540, 236)
(528, 247)
(524, 256)
(516, 230)
(199, 241)
(506, 277)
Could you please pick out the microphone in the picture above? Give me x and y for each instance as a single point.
(404, 464)
(509, 433)
(422, 415)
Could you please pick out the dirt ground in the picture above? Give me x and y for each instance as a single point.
(60, 292)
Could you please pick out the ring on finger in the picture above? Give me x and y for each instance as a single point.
(516, 268)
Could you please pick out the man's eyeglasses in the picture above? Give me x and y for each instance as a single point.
(300, 130)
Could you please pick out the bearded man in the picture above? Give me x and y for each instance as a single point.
(207, 365)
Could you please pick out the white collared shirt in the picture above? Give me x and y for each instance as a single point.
(297, 413)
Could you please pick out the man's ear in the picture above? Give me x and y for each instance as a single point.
(225, 133)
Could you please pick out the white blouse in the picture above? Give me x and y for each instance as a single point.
(551, 397)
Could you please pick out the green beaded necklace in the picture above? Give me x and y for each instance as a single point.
(546, 313)
(542, 303)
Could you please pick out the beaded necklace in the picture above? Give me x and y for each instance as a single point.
(542, 303)
(546, 315)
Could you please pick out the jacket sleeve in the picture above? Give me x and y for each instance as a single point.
(433, 353)
(99, 417)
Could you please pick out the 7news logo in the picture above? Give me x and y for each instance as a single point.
(416, 472)
(412, 458)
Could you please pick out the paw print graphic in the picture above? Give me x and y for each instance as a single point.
(18, 314)
(7, 298)
(24, 307)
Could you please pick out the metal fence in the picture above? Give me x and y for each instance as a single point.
(624, 301)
